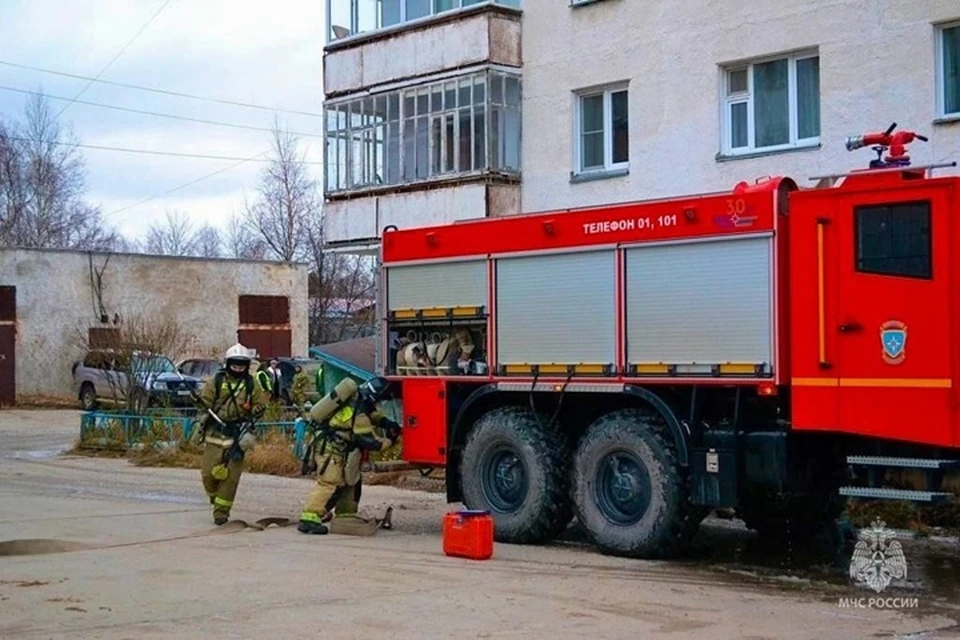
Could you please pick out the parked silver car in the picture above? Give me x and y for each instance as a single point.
(104, 376)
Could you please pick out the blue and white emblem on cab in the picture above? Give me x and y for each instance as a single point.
(893, 338)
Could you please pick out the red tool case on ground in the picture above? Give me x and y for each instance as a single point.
(468, 534)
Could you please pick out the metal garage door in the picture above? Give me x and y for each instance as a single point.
(8, 345)
(442, 284)
(265, 325)
(704, 302)
(556, 309)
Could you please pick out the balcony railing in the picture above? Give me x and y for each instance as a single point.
(455, 127)
(352, 17)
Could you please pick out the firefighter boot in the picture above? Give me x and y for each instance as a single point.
(310, 523)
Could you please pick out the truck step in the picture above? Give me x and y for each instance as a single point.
(911, 463)
(896, 494)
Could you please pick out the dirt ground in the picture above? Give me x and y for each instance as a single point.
(117, 551)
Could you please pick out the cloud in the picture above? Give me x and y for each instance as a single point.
(267, 53)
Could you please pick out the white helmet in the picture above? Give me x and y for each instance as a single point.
(238, 353)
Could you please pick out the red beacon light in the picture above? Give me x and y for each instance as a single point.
(895, 142)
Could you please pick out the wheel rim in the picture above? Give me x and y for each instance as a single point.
(622, 488)
(505, 481)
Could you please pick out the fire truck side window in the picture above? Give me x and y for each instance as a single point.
(894, 239)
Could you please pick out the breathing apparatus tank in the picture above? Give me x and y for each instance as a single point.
(331, 403)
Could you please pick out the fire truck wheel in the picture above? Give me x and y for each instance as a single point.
(514, 466)
(629, 492)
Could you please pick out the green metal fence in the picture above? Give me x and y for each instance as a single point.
(128, 431)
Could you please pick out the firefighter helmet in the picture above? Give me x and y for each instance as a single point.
(237, 355)
(375, 389)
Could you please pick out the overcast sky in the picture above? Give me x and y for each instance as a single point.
(265, 53)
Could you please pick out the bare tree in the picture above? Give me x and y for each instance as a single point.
(135, 358)
(128, 245)
(42, 182)
(285, 222)
(207, 242)
(172, 237)
(341, 291)
(286, 202)
(241, 242)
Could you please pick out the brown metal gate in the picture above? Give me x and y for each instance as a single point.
(8, 343)
(265, 325)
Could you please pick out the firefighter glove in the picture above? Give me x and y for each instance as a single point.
(392, 429)
(247, 442)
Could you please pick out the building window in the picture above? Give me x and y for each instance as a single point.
(353, 17)
(894, 239)
(771, 105)
(459, 126)
(948, 71)
(602, 130)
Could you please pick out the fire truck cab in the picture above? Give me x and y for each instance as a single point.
(637, 365)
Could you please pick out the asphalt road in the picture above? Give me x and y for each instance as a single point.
(132, 553)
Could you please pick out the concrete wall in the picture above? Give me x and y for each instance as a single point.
(876, 67)
(55, 304)
(449, 42)
(363, 218)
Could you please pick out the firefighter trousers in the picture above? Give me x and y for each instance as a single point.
(220, 492)
(331, 491)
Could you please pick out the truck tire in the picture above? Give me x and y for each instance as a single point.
(513, 466)
(629, 491)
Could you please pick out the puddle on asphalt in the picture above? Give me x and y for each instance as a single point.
(38, 546)
(932, 567)
(42, 454)
(940, 571)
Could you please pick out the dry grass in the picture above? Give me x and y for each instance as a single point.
(184, 456)
(907, 515)
(274, 456)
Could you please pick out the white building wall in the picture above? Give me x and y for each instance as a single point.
(56, 304)
(491, 36)
(876, 67)
(364, 218)
(448, 47)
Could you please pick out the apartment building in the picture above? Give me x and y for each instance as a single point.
(422, 115)
(443, 110)
(626, 100)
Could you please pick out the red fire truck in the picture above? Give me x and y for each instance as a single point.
(769, 348)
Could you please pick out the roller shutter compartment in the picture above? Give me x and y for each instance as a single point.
(704, 302)
(556, 309)
(442, 284)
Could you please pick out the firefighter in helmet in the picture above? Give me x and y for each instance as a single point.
(343, 423)
(229, 403)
